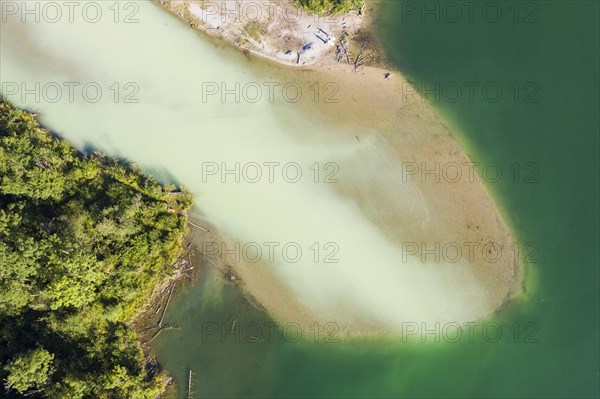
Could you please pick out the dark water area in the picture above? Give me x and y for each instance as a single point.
(529, 75)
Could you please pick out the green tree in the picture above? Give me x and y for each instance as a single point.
(30, 371)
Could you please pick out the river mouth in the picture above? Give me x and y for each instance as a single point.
(329, 169)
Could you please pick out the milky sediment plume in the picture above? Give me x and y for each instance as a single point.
(361, 218)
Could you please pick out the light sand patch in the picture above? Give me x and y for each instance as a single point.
(276, 30)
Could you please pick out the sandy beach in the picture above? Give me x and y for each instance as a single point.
(281, 32)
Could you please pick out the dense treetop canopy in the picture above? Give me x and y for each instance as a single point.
(83, 240)
(331, 6)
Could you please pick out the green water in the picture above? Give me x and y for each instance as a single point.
(558, 131)
(550, 128)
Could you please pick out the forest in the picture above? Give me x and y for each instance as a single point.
(84, 242)
(331, 6)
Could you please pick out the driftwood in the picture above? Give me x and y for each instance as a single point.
(191, 266)
(166, 306)
(185, 270)
(162, 316)
(189, 394)
(151, 365)
(342, 49)
(234, 323)
(157, 333)
(360, 60)
(211, 262)
(199, 227)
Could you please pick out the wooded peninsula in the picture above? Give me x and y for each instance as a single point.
(84, 242)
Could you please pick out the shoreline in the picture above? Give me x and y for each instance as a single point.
(147, 323)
